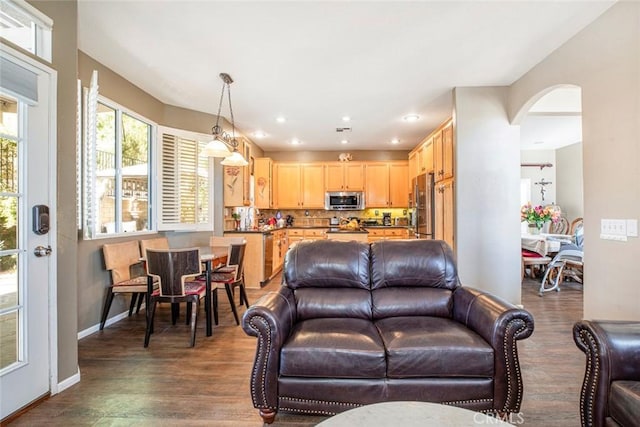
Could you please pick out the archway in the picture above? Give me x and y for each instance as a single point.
(551, 163)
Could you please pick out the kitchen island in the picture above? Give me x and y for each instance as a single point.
(266, 249)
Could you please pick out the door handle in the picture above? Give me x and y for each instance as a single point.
(41, 251)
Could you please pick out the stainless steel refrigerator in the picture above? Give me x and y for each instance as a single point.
(423, 204)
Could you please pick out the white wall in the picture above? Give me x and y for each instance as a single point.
(569, 188)
(487, 192)
(536, 174)
(604, 60)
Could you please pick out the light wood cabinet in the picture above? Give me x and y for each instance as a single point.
(387, 233)
(443, 152)
(413, 165)
(344, 176)
(263, 183)
(387, 185)
(299, 185)
(280, 246)
(399, 186)
(233, 193)
(444, 211)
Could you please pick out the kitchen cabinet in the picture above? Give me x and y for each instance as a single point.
(425, 156)
(387, 184)
(443, 152)
(296, 234)
(388, 233)
(344, 176)
(399, 187)
(280, 246)
(444, 211)
(413, 165)
(263, 183)
(346, 236)
(299, 185)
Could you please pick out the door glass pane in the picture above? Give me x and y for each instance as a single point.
(105, 189)
(135, 176)
(8, 339)
(8, 282)
(8, 116)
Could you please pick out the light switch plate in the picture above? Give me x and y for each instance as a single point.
(632, 227)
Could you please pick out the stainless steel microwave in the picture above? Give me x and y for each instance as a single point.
(344, 200)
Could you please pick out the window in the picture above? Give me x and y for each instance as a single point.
(27, 27)
(117, 174)
(184, 184)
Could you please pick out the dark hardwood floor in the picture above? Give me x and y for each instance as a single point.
(168, 383)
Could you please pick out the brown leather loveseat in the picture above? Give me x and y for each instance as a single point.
(610, 394)
(357, 323)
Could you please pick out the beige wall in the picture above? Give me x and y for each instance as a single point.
(487, 192)
(569, 188)
(604, 60)
(65, 38)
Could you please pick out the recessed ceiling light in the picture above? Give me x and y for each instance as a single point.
(259, 134)
(538, 142)
(346, 118)
(411, 118)
(281, 119)
(395, 141)
(296, 141)
(344, 141)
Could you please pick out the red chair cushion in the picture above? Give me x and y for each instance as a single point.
(222, 277)
(530, 254)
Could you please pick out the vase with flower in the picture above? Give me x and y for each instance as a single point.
(537, 216)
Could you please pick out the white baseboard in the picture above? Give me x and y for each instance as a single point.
(110, 321)
(62, 386)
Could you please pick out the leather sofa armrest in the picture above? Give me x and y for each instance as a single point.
(501, 324)
(270, 319)
(613, 351)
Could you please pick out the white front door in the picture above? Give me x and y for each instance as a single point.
(27, 179)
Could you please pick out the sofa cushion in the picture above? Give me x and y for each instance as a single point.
(413, 263)
(624, 402)
(327, 264)
(333, 302)
(433, 347)
(333, 348)
(394, 302)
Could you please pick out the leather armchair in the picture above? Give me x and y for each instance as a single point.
(610, 394)
(357, 323)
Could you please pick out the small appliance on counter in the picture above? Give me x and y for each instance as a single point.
(289, 221)
(334, 221)
(386, 218)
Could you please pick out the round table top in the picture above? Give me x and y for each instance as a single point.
(410, 414)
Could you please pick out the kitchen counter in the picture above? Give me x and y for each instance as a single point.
(362, 229)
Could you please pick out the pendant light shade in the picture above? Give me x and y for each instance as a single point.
(224, 144)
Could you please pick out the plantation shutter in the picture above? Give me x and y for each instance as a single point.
(184, 183)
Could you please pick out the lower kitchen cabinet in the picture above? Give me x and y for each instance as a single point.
(388, 233)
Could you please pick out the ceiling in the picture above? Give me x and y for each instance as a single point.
(315, 62)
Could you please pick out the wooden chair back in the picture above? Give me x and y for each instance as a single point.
(155, 243)
(574, 225)
(172, 268)
(119, 258)
(235, 258)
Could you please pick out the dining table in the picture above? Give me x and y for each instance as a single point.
(544, 244)
(211, 257)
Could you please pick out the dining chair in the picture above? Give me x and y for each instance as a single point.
(155, 243)
(122, 260)
(172, 269)
(560, 227)
(230, 277)
(574, 225)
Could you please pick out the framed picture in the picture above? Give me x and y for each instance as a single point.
(246, 147)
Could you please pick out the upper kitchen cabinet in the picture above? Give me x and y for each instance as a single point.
(443, 152)
(263, 183)
(299, 185)
(344, 176)
(387, 185)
